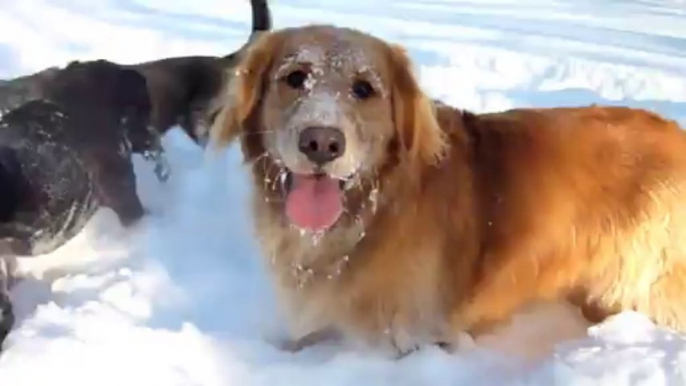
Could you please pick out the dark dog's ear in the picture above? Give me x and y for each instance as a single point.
(135, 105)
(244, 89)
(99, 83)
(131, 90)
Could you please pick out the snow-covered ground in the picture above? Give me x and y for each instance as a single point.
(183, 298)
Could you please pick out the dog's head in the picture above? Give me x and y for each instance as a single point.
(105, 91)
(325, 114)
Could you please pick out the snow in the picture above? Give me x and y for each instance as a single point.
(183, 298)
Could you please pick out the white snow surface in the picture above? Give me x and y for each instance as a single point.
(183, 298)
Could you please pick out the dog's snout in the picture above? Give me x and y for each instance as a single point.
(322, 144)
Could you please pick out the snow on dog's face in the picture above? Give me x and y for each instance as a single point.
(323, 114)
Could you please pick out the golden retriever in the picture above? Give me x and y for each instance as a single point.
(395, 221)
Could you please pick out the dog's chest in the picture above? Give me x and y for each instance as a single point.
(393, 302)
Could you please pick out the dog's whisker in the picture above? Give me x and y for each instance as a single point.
(266, 171)
(256, 132)
(280, 178)
(264, 160)
(274, 200)
(260, 157)
(269, 182)
(271, 178)
(283, 177)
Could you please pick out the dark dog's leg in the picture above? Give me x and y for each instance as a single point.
(149, 145)
(157, 155)
(162, 168)
(116, 185)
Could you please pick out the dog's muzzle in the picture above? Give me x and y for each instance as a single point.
(321, 144)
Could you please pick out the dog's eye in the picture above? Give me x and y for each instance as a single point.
(296, 79)
(362, 89)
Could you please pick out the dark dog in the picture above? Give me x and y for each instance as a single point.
(50, 85)
(182, 89)
(66, 156)
(60, 160)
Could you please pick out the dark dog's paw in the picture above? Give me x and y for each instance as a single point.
(162, 171)
(162, 168)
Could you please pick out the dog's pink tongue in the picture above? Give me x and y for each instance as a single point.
(314, 202)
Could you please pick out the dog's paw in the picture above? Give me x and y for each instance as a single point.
(311, 339)
(290, 345)
(162, 167)
(461, 342)
(162, 171)
(400, 354)
(465, 341)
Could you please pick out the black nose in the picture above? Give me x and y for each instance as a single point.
(322, 144)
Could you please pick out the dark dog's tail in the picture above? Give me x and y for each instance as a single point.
(261, 22)
(261, 17)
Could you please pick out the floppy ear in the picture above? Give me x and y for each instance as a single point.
(243, 90)
(131, 88)
(422, 141)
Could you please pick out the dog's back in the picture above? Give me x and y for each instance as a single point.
(583, 204)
